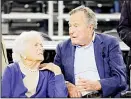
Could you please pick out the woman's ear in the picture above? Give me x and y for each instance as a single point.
(23, 56)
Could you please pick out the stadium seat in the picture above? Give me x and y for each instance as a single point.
(23, 5)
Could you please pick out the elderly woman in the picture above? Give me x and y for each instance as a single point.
(23, 78)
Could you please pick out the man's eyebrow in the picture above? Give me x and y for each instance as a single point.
(73, 23)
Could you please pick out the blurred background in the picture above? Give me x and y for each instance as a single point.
(51, 19)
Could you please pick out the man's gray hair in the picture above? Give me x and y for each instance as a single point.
(91, 17)
(20, 44)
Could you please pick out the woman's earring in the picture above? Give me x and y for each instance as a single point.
(25, 57)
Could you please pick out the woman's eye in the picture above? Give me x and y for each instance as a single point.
(41, 45)
(36, 44)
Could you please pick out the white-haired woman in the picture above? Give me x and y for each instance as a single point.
(23, 78)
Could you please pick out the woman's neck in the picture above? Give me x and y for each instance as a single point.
(31, 64)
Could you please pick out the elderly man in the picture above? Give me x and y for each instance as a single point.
(88, 60)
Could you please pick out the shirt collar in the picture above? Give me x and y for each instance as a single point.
(93, 36)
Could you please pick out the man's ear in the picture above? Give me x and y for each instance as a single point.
(91, 27)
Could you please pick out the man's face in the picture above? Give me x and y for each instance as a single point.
(80, 33)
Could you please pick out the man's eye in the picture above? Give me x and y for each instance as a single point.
(76, 25)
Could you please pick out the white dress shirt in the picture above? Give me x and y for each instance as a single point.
(85, 64)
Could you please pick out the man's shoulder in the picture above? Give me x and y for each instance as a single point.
(65, 43)
(107, 38)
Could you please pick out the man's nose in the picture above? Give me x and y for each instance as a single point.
(71, 30)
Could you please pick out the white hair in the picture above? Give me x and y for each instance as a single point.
(91, 17)
(20, 42)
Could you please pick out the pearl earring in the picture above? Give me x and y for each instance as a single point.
(24, 57)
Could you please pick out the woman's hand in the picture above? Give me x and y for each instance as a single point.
(73, 91)
(52, 67)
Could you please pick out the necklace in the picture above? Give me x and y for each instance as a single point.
(27, 68)
(31, 70)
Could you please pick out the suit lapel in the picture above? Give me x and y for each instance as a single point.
(40, 83)
(41, 79)
(20, 89)
(73, 58)
(69, 71)
(68, 63)
(98, 51)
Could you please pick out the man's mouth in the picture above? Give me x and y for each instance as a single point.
(73, 37)
(40, 54)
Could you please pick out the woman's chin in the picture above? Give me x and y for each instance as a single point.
(40, 59)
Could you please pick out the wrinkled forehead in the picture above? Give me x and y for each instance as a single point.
(77, 17)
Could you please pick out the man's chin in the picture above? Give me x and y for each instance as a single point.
(74, 43)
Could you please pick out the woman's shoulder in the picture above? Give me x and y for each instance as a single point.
(11, 71)
(47, 73)
(12, 67)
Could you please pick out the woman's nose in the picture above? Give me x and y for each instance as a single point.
(41, 47)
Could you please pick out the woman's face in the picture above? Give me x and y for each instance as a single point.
(34, 49)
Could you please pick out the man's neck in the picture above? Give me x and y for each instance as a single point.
(88, 41)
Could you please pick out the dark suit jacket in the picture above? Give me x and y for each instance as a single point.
(124, 27)
(109, 61)
(49, 85)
